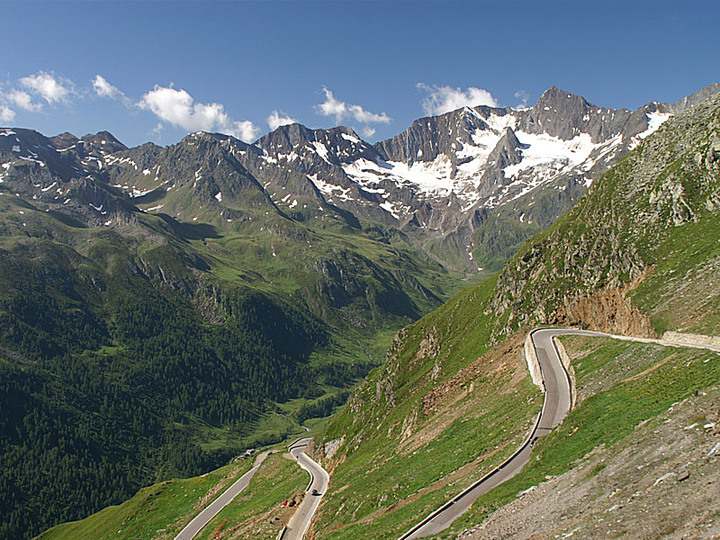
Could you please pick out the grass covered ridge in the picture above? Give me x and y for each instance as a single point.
(258, 512)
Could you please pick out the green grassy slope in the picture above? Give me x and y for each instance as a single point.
(258, 512)
(161, 511)
(441, 412)
(638, 254)
(157, 511)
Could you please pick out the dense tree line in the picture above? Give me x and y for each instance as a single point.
(322, 407)
(100, 391)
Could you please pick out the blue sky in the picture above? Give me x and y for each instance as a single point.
(153, 71)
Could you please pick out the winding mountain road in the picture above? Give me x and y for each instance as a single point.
(319, 480)
(557, 403)
(203, 518)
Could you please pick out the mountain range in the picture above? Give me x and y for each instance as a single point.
(450, 184)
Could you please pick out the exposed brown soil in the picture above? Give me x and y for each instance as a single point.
(507, 356)
(608, 310)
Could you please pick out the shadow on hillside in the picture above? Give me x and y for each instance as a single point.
(190, 231)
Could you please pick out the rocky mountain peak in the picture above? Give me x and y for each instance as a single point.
(315, 151)
(104, 140)
(558, 99)
(696, 98)
(286, 136)
(63, 140)
(507, 151)
(428, 138)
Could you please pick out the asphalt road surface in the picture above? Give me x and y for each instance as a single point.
(557, 403)
(299, 523)
(204, 517)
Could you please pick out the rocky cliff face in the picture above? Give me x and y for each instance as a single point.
(563, 115)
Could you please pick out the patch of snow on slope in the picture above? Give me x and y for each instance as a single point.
(292, 156)
(550, 155)
(430, 176)
(138, 192)
(366, 172)
(388, 207)
(475, 156)
(655, 120)
(33, 160)
(350, 138)
(321, 150)
(499, 123)
(331, 190)
(603, 151)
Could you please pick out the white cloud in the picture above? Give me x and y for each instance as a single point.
(366, 117)
(277, 119)
(245, 130)
(104, 89)
(24, 101)
(7, 115)
(524, 97)
(47, 86)
(332, 107)
(341, 110)
(177, 107)
(157, 131)
(443, 99)
(367, 132)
